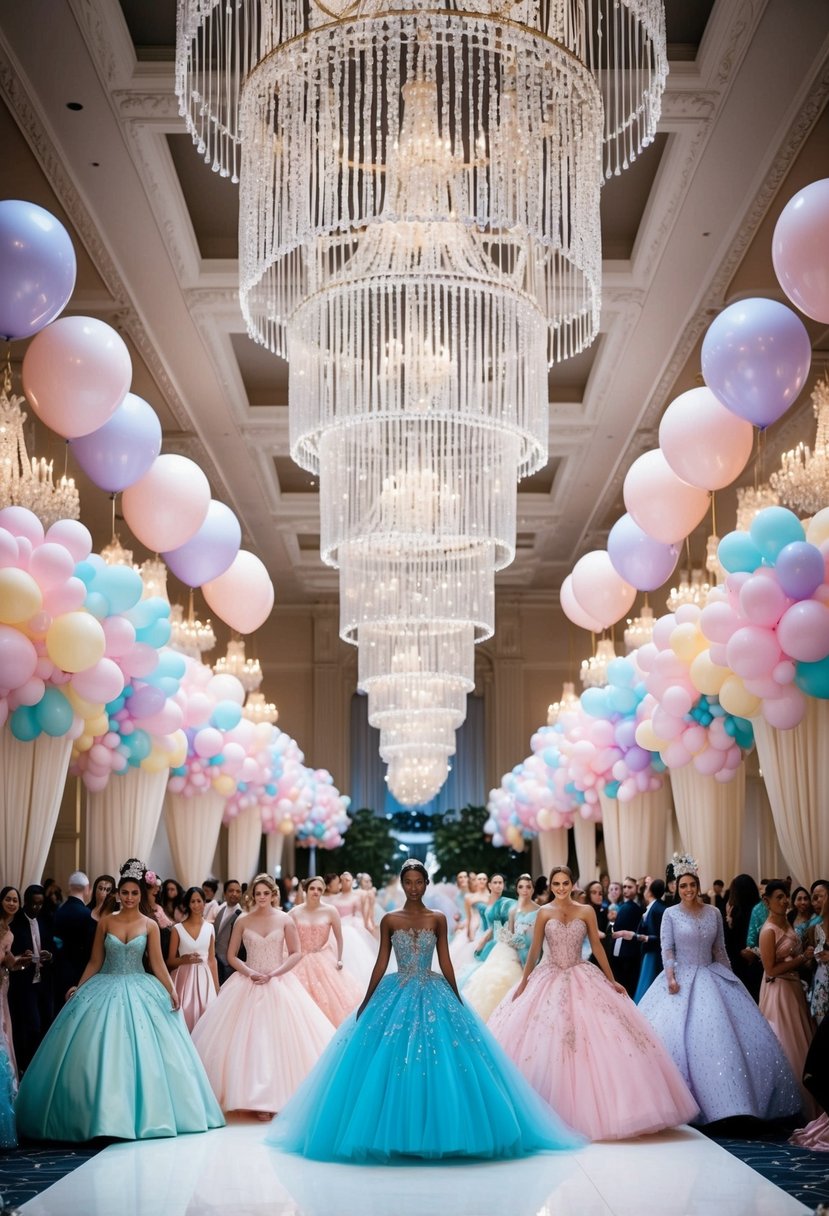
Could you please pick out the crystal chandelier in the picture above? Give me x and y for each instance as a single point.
(594, 670)
(26, 482)
(190, 636)
(257, 709)
(154, 578)
(567, 704)
(115, 554)
(234, 663)
(415, 780)
(803, 478)
(639, 629)
(693, 588)
(751, 501)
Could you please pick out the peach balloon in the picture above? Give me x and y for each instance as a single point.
(662, 504)
(243, 596)
(169, 504)
(599, 590)
(20, 596)
(703, 442)
(573, 610)
(736, 699)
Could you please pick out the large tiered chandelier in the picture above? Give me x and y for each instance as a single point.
(803, 478)
(420, 238)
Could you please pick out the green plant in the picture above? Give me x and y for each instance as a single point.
(460, 844)
(368, 847)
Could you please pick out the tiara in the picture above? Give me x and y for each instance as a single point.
(136, 870)
(684, 863)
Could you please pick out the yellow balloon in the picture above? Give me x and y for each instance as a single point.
(178, 754)
(545, 819)
(708, 677)
(75, 641)
(736, 699)
(98, 725)
(647, 738)
(85, 709)
(286, 826)
(156, 762)
(84, 742)
(818, 530)
(687, 641)
(224, 785)
(20, 596)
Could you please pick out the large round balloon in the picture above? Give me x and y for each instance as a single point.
(755, 359)
(573, 610)
(76, 373)
(800, 250)
(243, 596)
(37, 268)
(600, 590)
(121, 451)
(209, 553)
(643, 562)
(704, 443)
(662, 504)
(169, 504)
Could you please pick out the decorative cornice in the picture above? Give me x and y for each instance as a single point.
(161, 107)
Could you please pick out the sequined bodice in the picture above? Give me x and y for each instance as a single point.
(264, 953)
(124, 958)
(312, 938)
(564, 941)
(413, 949)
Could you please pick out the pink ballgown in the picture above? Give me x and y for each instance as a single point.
(586, 1047)
(359, 946)
(335, 991)
(193, 981)
(258, 1041)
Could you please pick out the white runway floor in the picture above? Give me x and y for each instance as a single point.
(232, 1171)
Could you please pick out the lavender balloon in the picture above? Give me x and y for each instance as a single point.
(211, 551)
(643, 562)
(37, 268)
(121, 451)
(800, 569)
(755, 359)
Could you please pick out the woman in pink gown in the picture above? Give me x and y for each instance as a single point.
(191, 959)
(319, 971)
(263, 1033)
(359, 946)
(579, 1039)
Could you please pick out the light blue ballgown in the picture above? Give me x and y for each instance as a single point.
(116, 1062)
(398, 1083)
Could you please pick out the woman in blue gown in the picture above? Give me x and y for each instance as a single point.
(118, 1060)
(395, 1081)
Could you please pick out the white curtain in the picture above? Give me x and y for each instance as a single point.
(635, 833)
(584, 835)
(552, 849)
(193, 826)
(795, 767)
(122, 819)
(244, 838)
(32, 779)
(710, 817)
(274, 848)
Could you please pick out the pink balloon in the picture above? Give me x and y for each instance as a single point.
(676, 754)
(598, 589)
(753, 652)
(31, 692)
(18, 658)
(803, 631)
(19, 521)
(8, 549)
(718, 652)
(103, 682)
(208, 742)
(139, 660)
(198, 709)
(677, 701)
(243, 596)
(763, 600)
(72, 534)
(167, 721)
(76, 372)
(169, 503)
(51, 565)
(573, 610)
(662, 504)
(119, 634)
(662, 631)
(69, 597)
(784, 672)
(800, 250)
(708, 762)
(763, 686)
(718, 621)
(703, 442)
(786, 711)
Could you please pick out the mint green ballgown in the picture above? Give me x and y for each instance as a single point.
(116, 1062)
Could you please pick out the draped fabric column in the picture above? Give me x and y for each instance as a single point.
(32, 779)
(761, 854)
(244, 838)
(710, 816)
(795, 767)
(552, 848)
(122, 819)
(584, 835)
(193, 826)
(274, 843)
(635, 833)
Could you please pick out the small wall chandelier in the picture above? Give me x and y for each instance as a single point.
(594, 670)
(256, 709)
(234, 663)
(567, 704)
(803, 478)
(639, 629)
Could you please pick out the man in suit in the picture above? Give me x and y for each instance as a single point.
(625, 956)
(648, 935)
(229, 912)
(30, 989)
(74, 931)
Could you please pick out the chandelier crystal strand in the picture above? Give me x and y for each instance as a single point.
(751, 500)
(256, 709)
(415, 780)
(234, 663)
(802, 482)
(29, 482)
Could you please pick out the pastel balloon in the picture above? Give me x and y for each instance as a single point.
(121, 586)
(753, 652)
(243, 596)
(120, 636)
(708, 677)
(573, 610)
(209, 553)
(76, 372)
(786, 711)
(773, 528)
(817, 530)
(600, 589)
(755, 359)
(51, 565)
(799, 569)
(146, 701)
(102, 682)
(803, 631)
(73, 535)
(66, 598)
(21, 522)
(662, 504)
(643, 562)
(687, 642)
(53, 713)
(18, 658)
(208, 742)
(763, 601)
(227, 688)
(736, 699)
(800, 250)
(24, 725)
(121, 451)
(169, 503)
(20, 596)
(75, 641)
(704, 443)
(813, 678)
(37, 268)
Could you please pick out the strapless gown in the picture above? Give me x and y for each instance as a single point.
(585, 1046)
(398, 1082)
(359, 946)
(116, 1062)
(335, 991)
(502, 969)
(258, 1041)
(8, 1074)
(193, 981)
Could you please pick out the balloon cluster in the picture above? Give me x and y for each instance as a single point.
(288, 806)
(616, 764)
(327, 818)
(527, 800)
(220, 744)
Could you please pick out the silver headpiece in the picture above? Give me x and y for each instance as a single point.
(684, 863)
(135, 869)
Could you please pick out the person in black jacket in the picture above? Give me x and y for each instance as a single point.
(626, 955)
(648, 933)
(74, 930)
(30, 989)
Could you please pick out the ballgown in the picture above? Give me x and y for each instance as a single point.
(585, 1046)
(359, 946)
(783, 1005)
(502, 970)
(8, 1072)
(258, 1041)
(721, 1043)
(116, 1062)
(493, 917)
(815, 1136)
(398, 1082)
(193, 981)
(462, 947)
(335, 991)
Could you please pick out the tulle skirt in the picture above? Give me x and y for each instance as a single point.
(336, 992)
(492, 981)
(8, 1089)
(359, 953)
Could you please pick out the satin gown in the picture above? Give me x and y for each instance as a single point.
(258, 1041)
(116, 1062)
(586, 1047)
(397, 1083)
(783, 1005)
(193, 981)
(334, 990)
(502, 969)
(717, 1037)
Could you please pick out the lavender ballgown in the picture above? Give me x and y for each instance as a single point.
(719, 1040)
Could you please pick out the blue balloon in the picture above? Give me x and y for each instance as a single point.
(621, 672)
(140, 745)
(85, 571)
(813, 678)
(594, 702)
(37, 268)
(773, 528)
(737, 552)
(216, 760)
(171, 664)
(97, 604)
(612, 789)
(53, 713)
(622, 700)
(23, 724)
(120, 585)
(121, 451)
(155, 635)
(226, 715)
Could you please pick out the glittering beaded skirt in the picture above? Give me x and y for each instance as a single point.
(398, 1083)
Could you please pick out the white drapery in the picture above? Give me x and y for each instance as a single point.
(193, 826)
(552, 848)
(32, 779)
(635, 833)
(122, 819)
(584, 835)
(710, 816)
(244, 839)
(274, 849)
(795, 767)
